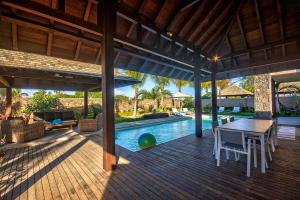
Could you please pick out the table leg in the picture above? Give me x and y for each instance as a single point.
(263, 154)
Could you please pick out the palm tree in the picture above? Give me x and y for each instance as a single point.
(17, 92)
(142, 78)
(161, 82)
(180, 84)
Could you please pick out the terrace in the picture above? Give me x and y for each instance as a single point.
(186, 40)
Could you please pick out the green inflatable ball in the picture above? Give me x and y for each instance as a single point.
(146, 140)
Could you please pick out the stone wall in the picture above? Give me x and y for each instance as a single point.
(263, 96)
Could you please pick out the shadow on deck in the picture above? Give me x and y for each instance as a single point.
(180, 169)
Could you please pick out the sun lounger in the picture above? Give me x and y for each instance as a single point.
(221, 109)
(176, 112)
(236, 110)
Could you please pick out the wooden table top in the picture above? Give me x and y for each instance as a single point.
(249, 125)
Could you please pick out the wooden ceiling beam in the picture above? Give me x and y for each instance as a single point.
(75, 36)
(38, 74)
(77, 51)
(148, 58)
(193, 19)
(200, 26)
(98, 56)
(216, 24)
(5, 82)
(262, 47)
(271, 65)
(14, 31)
(280, 19)
(229, 27)
(257, 10)
(241, 27)
(49, 43)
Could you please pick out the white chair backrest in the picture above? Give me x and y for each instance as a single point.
(232, 136)
(221, 109)
(237, 109)
(185, 110)
(174, 110)
(224, 121)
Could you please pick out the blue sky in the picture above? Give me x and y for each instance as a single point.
(149, 84)
(128, 90)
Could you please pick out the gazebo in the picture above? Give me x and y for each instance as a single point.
(235, 91)
(188, 40)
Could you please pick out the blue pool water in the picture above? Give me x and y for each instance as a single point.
(128, 138)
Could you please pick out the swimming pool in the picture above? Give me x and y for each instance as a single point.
(165, 132)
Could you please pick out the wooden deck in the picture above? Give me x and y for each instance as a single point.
(180, 169)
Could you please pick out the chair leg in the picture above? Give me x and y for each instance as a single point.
(254, 154)
(272, 144)
(236, 156)
(227, 154)
(249, 158)
(269, 151)
(218, 156)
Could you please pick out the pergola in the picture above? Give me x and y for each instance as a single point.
(189, 40)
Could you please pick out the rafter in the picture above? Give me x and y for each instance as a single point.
(98, 56)
(262, 47)
(241, 27)
(87, 11)
(194, 18)
(14, 30)
(203, 23)
(49, 43)
(257, 10)
(4, 82)
(229, 27)
(280, 20)
(216, 24)
(77, 51)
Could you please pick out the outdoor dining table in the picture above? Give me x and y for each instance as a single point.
(253, 127)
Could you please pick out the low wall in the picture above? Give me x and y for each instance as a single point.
(289, 102)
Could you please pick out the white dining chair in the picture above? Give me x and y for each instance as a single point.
(233, 141)
(214, 131)
(268, 146)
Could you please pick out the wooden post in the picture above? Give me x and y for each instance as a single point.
(273, 94)
(8, 110)
(214, 100)
(108, 14)
(86, 103)
(198, 106)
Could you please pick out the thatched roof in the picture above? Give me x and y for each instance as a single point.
(290, 87)
(30, 70)
(234, 90)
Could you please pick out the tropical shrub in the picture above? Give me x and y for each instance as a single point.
(42, 102)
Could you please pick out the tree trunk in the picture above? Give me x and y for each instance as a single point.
(162, 96)
(136, 96)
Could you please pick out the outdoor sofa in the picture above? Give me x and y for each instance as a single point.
(67, 119)
(18, 131)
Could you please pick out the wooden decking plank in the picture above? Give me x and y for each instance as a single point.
(117, 181)
(43, 174)
(13, 175)
(97, 173)
(72, 187)
(5, 167)
(75, 171)
(55, 169)
(48, 168)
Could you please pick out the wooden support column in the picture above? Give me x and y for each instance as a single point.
(108, 16)
(86, 103)
(214, 102)
(273, 94)
(8, 110)
(198, 105)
